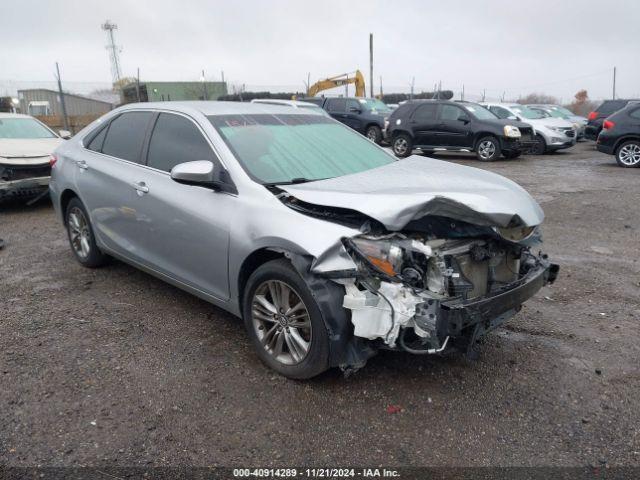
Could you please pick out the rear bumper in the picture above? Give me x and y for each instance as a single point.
(455, 318)
(26, 187)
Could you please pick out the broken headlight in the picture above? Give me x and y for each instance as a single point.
(515, 234)
(511, 131)
(384, 255)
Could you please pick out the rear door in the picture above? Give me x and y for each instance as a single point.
(423, 124)
(105, 180)
(454, 127)
(186, 227)
(337, 108)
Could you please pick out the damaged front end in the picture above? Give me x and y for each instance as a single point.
(446, 283)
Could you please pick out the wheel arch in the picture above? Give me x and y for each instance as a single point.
(485, 133)
(623, 139)
(65, 198)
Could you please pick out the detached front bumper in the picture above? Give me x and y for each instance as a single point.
(26, 187)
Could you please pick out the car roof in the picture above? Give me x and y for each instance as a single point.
(280, 101)
(13, 115)
(218, 108)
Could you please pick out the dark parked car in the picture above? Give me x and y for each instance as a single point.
(367, 116)
(439, 125)
(620, 136)
(597, 117)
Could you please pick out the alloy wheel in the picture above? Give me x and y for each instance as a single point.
(630, 154)
(486, 149)
(400, 146)
(371, 135)
(281, 322)
(79, 232)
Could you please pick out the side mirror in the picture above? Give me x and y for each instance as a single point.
(66, 134)
(203, 173)
(464, 120)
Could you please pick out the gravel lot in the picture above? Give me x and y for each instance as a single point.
(113, 367)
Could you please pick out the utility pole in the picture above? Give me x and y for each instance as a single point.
(138, 84)
(346, 87)
(380, 87)
(204, 86)
(413, 81)
(462, 93)
(371, 63)
(484, 93)
(614, 83)
(65, 120)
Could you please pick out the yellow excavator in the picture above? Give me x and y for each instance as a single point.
(339, 80)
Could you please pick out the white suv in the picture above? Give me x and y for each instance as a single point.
(551, 133)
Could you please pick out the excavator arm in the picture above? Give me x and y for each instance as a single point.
(357, 79)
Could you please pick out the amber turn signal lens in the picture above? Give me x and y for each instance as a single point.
(382, 265)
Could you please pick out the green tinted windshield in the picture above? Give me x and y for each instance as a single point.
(374, 105)
(530, 113)
(284, 148)
(23, 128)
(563, 110)
(479, 111)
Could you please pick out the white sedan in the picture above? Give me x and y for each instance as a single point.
(26, 146)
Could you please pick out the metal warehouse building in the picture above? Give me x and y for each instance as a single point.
(173, 91)
(41, 101)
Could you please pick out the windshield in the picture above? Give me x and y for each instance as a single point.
(479, 111)
(277, 149)
(526, 112)
(553, 112)
(23, 128)
(564, 111)
(374, 105)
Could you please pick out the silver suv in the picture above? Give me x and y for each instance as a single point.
(326, 246)
(551, 133)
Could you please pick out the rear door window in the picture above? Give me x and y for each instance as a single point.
(126, 135)
(336, 105)
(176, 139)
(425, 112)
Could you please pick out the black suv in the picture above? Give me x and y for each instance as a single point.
(365, 115)
(596, 118)
(436, 125)
(620, 136)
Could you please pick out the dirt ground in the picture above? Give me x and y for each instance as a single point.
(113, 367)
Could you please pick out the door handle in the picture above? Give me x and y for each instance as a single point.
(141, 187)
(82, 164)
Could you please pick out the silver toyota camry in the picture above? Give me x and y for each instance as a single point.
(323, 243)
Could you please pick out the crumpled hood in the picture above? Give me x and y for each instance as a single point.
(409, 189)
(28, 147)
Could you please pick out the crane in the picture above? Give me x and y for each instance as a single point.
(337, 81)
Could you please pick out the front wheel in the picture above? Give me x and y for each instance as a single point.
(488, 149)
(540, 147)
(284, 321)
(628, 154)
(374, 133)
(402, 145)
(81, 237)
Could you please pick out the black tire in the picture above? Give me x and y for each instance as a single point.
(316, 358)
(374, 133)
(488, 149)
(402, 145)
(512, 155)
(540, 147)
(628, 154)
(93, 257)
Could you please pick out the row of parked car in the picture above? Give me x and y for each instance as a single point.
(491, 130)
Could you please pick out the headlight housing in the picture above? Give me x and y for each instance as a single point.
(384, 255)
(515, 234)
(511, 131)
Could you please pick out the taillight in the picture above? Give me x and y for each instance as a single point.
(592, 116)
(608, 125)
(52, 160)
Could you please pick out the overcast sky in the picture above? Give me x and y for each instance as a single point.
(556, 47)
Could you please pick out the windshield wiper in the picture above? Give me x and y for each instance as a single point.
(293, 181)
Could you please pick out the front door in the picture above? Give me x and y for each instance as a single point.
(454, 127)
(423, 124)
(186, 227)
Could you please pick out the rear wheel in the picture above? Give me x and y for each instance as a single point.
(628, 154)
(81, 237)
(374, 133)
(488, 149)
(402, 145)
(540, 146)
(284, 321)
